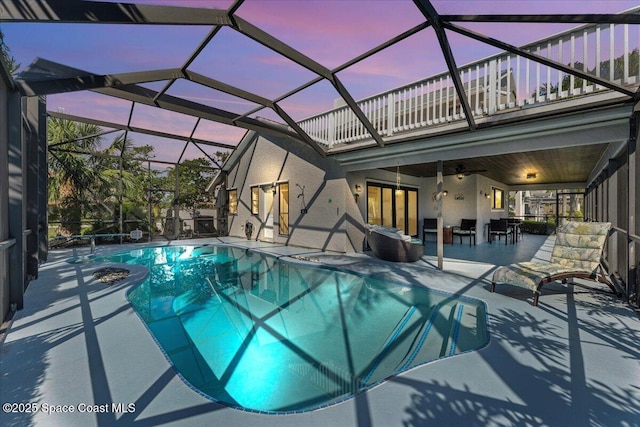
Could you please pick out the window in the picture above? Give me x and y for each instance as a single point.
(401, 211)
(498, 198)
(412, 212)
(374, 203)
(387, 207)
(233, 202)
(284, 208)
(255, 205)
(392, 207)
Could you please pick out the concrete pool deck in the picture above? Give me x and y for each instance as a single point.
(572, 361)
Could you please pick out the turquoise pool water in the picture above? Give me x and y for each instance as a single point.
(264, 335)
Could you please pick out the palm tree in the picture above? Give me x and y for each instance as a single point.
(70, 170)
(122, 181)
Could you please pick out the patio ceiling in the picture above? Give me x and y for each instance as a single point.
(564, 165)
(273, 114)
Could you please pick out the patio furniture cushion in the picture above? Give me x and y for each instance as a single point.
(467, 227)
(529, 274)
(429, 226)
(391, 232)
(576, 254)
(500, 227)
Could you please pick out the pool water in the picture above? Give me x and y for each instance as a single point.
(261, 334)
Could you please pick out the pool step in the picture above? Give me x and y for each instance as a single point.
(421, 339)
(440, 335)
(428, 343)
(450, 345)
(470, 335)
(396, 344)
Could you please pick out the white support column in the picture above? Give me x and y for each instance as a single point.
(519, 211)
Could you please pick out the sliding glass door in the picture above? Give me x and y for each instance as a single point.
(393, 207)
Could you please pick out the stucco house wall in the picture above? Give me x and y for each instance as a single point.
(324, 212)
(464, 200)
(321, 207)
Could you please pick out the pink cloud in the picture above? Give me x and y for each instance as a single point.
(218, 132)
(92, 105)
(332, 32)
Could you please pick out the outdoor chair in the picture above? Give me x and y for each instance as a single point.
(577, 253)
(516, 224)
(500, 227)
(467, 228)
(429, 226)
(391, 244)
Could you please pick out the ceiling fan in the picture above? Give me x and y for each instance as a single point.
(461, 171)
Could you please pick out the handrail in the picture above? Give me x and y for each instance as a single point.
(6, 244)
(633, 237)
(532, 45)
(90, 236)
(499, 83)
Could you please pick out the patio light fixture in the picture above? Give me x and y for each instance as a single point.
(358, 191)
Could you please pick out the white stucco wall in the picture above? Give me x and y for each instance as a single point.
(327, 198)
(334, 220)
(463, 201)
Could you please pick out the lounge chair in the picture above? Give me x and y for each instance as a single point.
(577, 253)
(429, 226)
(391, 244)
(467, 227)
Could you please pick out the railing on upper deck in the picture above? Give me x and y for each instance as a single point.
(495, 84)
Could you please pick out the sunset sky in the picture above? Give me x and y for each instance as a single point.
(329, 31)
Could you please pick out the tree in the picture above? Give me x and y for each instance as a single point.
(605, 67)
(193, 177)
(88, 183)
(8, 59)
(122, 181)
(70, 171)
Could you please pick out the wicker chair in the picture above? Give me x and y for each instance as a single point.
(392, 245)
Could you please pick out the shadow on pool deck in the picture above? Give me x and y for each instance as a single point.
(572, 361)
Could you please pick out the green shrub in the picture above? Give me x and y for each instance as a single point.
(536, 227)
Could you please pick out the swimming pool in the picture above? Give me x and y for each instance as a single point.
(256, 333)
